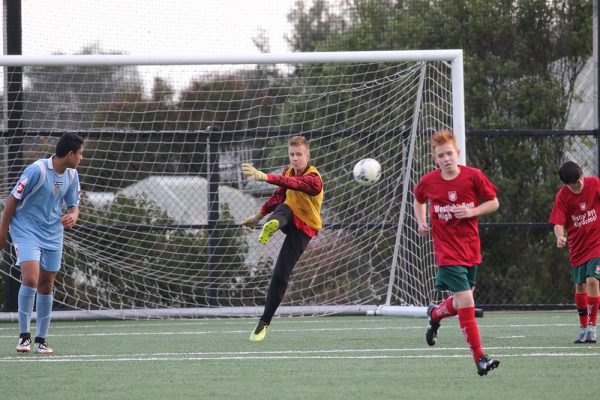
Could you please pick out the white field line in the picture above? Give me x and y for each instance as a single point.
(252, 321)
(350, 354)
(133, 333)
(196, 322)
(320, 351)
(276, 329)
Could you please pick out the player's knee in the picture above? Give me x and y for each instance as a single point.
(45, 287)
(30, 282)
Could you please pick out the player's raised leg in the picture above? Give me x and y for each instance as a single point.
(279, 219)
(435, 315)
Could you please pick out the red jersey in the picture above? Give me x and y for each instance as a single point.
(310, 183)
(578, 213)
(455, 241)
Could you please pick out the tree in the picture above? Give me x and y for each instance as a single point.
(514, 51)
(313, 25)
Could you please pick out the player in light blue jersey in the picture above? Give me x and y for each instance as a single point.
(33, 214)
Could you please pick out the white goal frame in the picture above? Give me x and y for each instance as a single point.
(454, 58)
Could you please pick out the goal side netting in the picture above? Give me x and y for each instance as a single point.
(162, 191)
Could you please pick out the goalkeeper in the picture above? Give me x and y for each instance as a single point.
(296, 211)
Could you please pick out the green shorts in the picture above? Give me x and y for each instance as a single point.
(455, 278)
(580, 273)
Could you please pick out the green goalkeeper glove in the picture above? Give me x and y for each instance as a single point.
(252, 174)
(252, 221)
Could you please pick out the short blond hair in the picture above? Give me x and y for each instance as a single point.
(298, 141)
(443, 137)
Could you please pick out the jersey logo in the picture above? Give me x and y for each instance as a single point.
(21, 185)
(597, 269)
(582, 206)
(452, 196)
(57, 186)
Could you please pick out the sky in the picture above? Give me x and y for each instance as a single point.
(153, 26)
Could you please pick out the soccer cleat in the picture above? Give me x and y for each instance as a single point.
(24, 345)
(259, 333)
(42, 347)
(268, 229)
(591, 336)
(581, 336)
(486, 364)
(432, 327)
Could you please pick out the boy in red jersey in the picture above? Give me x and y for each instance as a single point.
(454, 193)
(296, 211)
(576, 209)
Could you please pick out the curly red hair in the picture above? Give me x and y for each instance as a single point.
(443, 137)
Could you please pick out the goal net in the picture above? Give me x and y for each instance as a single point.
(162, 191)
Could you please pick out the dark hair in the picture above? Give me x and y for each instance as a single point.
(569, 172)
(68, 142)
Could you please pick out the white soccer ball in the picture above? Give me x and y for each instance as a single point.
(367, 171)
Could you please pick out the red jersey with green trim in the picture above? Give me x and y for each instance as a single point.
(578, 213)
(455, 241)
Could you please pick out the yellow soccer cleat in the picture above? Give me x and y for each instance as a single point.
(268, 229)
(259, 333)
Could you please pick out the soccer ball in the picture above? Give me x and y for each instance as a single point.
(367, 171)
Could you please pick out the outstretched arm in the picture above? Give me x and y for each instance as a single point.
(310, 184)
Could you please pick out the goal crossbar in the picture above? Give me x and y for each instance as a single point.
(261, 58)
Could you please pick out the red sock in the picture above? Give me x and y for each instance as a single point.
(468, 325)
(593, 309)
(444, 310)
(581, 302)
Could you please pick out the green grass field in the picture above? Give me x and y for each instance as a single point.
(302, 358)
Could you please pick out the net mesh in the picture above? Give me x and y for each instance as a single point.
(163, 195)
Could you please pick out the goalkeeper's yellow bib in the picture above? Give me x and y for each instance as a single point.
(303, 205)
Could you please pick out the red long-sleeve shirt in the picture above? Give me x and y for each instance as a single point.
(310, 184)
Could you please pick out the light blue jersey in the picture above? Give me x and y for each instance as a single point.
(42, 193)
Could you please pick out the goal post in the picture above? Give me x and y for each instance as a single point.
(162, 192)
